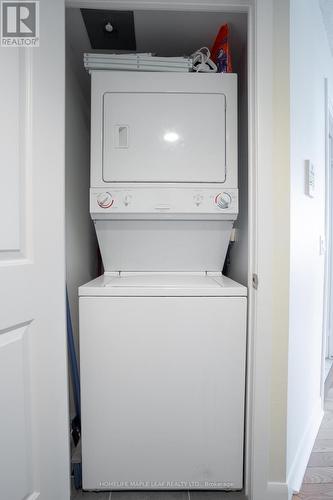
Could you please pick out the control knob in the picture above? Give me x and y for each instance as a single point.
(197, 198)
(223, 200)
(105, 200)
(127, 199)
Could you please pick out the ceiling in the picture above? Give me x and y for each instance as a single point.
(327, 11)
(165, 33)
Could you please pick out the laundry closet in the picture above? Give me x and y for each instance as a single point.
(157, 252)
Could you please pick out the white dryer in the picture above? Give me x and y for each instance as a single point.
(162, 332)
(164, 190)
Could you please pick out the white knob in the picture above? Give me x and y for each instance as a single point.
(108, 27)
(105, 200)
(197, 198)
(223, 200)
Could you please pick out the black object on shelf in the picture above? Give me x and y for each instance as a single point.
(110, 29)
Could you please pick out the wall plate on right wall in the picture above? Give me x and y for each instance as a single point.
(309, 178)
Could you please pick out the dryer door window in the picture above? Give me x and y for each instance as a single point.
(164, 137)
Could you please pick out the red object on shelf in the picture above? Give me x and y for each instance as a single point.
(220, 52)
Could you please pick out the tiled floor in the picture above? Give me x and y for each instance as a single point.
(318, 479)
(157, 495)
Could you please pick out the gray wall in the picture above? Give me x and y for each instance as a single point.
(238, 266)
(81, 245)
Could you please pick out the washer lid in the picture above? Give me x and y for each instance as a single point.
(166, 285)
(162, 281)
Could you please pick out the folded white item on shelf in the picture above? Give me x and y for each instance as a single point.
(136, 62)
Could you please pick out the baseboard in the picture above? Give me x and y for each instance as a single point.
(277, 491)
(300, 462)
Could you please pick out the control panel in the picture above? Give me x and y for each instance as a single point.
(163, 200)
(104, 199)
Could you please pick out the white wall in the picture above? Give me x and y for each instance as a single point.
(311, 62)
(81, 246)
(278, 221)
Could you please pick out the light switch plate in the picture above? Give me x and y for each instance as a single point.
(309, 178)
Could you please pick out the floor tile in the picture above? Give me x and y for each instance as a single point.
(217, 495)
(91, 495)
(323, 445)
(318, 475)
(149, 495)
(318, 459)
(325, 433)
(315, 492)
(327, 422)
(328, 405)
(329, 396)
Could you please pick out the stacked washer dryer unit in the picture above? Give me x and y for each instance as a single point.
(162, 332)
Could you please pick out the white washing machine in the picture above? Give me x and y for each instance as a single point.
(162, 373)
(162, 332)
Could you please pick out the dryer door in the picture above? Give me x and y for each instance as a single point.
(164, 137)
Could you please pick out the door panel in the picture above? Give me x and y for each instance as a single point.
(164, 137)
(9, 130)
(13, 161)
(15, 430)
(162, 392)
(33, 360)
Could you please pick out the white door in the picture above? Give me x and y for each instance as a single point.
(34, 448)
(181, 131)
